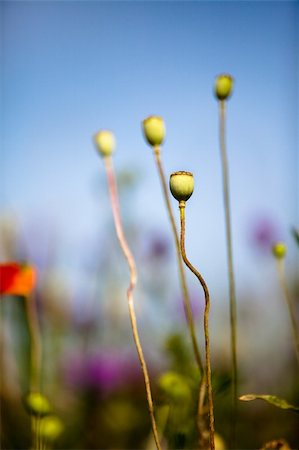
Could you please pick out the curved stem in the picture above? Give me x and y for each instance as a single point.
(187, 305)
(282, 280)
(206, 325)
(232, 290)
(186, 298)
(133, 279)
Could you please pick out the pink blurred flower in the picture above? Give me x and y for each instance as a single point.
(264, 232)
(103, 372)
(158, 246)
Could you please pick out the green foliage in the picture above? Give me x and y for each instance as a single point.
(272, 399)
(175, 387)
(178, 353)
(295, 233)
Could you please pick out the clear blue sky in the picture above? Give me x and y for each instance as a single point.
(70, 68)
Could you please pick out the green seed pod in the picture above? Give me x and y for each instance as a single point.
(154, 130)
(279, 250)
(181, 185)
(105, 142)
(50, 428)
(223, 86)
(37, 404)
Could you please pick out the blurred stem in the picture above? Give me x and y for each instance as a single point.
(133, 278)
(35, 343)
(34, 432)
(231, 278)
(280, 264)
(187, 305)
(35, 359)
(36, 438)
(39, 437)
(206, 325)
(201, 425)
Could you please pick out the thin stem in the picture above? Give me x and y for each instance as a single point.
(39, 437)
(35, 343)
(133, 279)
(186, 298)
(288, 298)
(187, 305)
(201, 426)
(206, 325)
(232, 290)
(34, 432)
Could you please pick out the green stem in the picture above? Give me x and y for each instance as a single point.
(35, 343)
(186, 298)
(232, 290)
(34, 432)
(187, 305)
(206, 325)
(282, 280)
(133, 279)
(35, 358)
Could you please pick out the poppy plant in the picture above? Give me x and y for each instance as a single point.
(17, 279)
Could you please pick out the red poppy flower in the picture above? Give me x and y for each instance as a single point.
(17, 279)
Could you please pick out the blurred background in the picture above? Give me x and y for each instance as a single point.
(69, 69)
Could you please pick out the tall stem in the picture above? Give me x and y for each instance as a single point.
(133, 279)
(206, 325)
(282, 280)
(35, 343)
(35, 360)
(186, 298)
(231, 277)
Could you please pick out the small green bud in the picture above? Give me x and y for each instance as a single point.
(154, 130)
(181, 185)
(37, 404)
(279, 250)
(223, 86)
(50, 428)
(105, 142)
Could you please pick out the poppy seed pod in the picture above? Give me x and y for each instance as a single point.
(154, 130)
(105, 142)
(279, 250)
(181, 185)
(223, 86)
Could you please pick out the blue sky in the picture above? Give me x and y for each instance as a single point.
(72, 68)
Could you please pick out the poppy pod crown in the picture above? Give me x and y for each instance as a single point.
(181, 185)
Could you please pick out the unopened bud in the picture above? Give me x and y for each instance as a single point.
(279, 250)
(223, 86)
(154, 130)
(37, 404)
(105, 142)
(50, 428)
